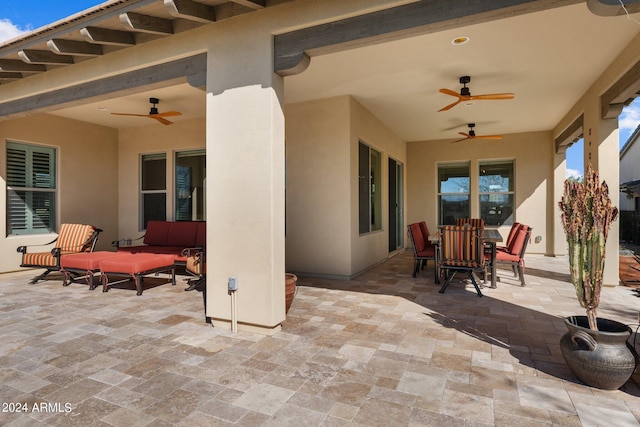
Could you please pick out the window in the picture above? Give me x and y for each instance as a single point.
(369, 187)
(31, 189)
(190, 185)
(453, 192)
(495, 188)
(153, 194)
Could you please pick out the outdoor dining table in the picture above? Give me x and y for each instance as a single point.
(491, 236)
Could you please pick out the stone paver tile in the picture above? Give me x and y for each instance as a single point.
(264, 398)
(472, 407)
(551, 399)
(123, 417)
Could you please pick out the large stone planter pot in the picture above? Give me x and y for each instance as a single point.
(290, 281)
(602, 359)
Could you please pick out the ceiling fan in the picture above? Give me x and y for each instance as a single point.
(465, 94)
(472, 135)
(154, 114)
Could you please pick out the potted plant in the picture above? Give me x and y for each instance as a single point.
(595, 349)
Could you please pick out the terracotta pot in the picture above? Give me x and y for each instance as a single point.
(289, 290)
(602, 359)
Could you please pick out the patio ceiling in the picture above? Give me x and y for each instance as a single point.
(548, 59)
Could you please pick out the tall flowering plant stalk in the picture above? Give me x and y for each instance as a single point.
(587, 214)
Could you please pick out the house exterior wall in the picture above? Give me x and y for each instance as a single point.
(532, 159)
(318, 207)
(87, 177)
(629, 171)
(152, 138)
(371, 248)
(322, 187)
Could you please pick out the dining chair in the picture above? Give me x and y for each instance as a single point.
(422, 250)
(461, 250)
(474, 222)
(512, 233)
(514, 254)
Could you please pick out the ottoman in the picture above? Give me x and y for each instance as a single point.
(85, 263)
(135, 266)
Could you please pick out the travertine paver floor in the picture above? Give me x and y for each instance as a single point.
(382, 349)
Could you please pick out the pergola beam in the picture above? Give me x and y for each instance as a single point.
(74, 47)
(109, 37)
(32, 56)
(10, 76)
(17, 66)
(189, 9)
(252, 4)
(146, 23)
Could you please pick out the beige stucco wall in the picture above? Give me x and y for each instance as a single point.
(87, 172)
(533, 166)
(322, 186)
(368, 249)
(318, 204)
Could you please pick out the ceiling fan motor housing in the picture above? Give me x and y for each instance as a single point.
(154, 109)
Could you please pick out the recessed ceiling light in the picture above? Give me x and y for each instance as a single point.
(102, 108)
(460, 40)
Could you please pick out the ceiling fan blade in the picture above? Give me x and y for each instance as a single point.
(160, 119)
(450, 106)
(465, 135)
(489, 137)
(493, 96)
(449, 92)
(462, 139)
(168, 114)
(127, 114)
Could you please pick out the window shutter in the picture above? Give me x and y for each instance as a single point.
(30, 189)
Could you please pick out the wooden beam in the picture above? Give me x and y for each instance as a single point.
(412, 19)
(159, 75)
(619, 93)
(252, 4)
(109, 37)
(31, 56)
(570, 135)
(15, 65)
(10, 76)
(74, 47)
(146, 24)
(189, 9)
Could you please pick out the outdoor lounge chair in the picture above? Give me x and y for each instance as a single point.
(461, 250)
(197, 267)
(72, 238)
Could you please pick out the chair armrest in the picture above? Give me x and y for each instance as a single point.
(192, 251)
(23, 249)
(116, 243)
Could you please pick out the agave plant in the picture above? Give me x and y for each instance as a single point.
(587, 214)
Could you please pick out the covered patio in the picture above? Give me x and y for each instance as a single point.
(380, 348)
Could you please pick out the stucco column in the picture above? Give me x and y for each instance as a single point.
(245, 179)
(601, 150)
